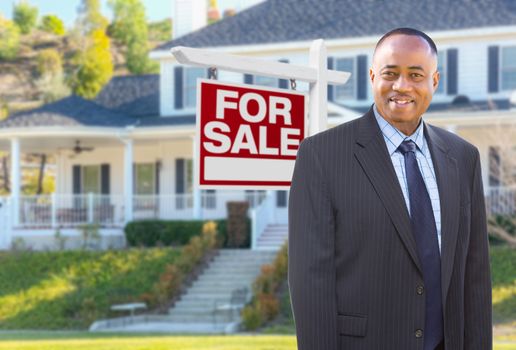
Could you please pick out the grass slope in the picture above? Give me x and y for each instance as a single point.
(69, 290)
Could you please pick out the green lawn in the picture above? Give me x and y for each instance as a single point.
(87, 341)
(71, 289)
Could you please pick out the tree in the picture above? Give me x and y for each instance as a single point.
(25, 16)
(49, 62)
(90, 18)
(92, 61)
(52, 24)
(130, 28)
(9, 39)
(95, 66)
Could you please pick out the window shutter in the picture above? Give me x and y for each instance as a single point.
(180, 176)
(362, 77)
(452, 70)
(76, 179)
(331, 88)
(283, 83)
(157, 171)
(248, 79)
(104, 179)
(178, 87)
(493, 68)
(281, 199)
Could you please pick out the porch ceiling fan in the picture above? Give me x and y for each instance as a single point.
(78, 149)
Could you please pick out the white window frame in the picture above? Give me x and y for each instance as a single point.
(502, 70)
(443, 81)
(83, 168)
(353, 72)
(153, 165)
(186, 87)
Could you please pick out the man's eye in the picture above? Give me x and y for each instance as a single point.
(389, 74)
(416, 75)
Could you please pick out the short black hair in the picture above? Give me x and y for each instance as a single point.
(408, 31)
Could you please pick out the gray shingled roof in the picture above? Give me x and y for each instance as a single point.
(70, 111)
(136, 95)
(76, 111)
(276, 21)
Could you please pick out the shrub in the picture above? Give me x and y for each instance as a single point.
(49, 63)
(265, 301)
(9, 39)
(25, 16)
(251, 317)
(150, 233)
(268, 304)
(52, 24)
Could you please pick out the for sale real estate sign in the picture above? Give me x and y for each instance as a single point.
(247, 136)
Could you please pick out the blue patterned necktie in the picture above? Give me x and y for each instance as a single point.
(425, 234)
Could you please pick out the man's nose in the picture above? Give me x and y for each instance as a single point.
(402, 84)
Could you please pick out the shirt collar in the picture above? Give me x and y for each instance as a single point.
(394, 137)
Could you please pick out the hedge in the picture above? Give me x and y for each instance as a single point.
(151, 233)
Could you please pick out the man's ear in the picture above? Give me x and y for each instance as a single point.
(371, 75)
(435, 80)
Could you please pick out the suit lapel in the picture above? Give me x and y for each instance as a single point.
(374, 159)
(447, 176)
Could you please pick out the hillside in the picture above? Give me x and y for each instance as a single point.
(18, 76)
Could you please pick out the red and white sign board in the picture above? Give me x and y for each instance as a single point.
(247, 136)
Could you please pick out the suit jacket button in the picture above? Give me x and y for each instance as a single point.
(420, 290)
(419, 333)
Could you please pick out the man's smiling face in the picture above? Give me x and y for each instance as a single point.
(404, 78)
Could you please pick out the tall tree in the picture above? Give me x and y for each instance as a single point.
(9, 39)
(25, 16)
(90, 18)
(93, 61)
(130, 28)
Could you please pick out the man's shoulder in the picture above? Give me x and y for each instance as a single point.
(457, 146)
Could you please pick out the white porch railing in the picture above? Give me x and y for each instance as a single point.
(501, 200)
(261, 216)
(69, 210)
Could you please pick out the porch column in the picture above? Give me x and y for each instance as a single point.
(15, 179)
(128, 180)
(197, 210)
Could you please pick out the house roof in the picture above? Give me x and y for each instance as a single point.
(135, 95)
(70, 111)
(77, 111)
(276, 21)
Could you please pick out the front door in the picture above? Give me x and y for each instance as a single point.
(5, 223)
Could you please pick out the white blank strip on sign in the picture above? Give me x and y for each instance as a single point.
(248, 169)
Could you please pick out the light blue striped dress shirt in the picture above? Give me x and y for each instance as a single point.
(393, 138)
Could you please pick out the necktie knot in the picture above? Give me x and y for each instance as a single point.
(407, 146)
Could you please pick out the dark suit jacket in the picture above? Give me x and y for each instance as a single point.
(354, 271)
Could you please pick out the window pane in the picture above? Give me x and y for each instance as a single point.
(189, 176)
(91, 179)
(190, 87)
(145, 179)
(266, 81)
(441, 67)
(346, 91)
(508, 70)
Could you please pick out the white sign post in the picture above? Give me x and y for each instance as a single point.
(316, 74)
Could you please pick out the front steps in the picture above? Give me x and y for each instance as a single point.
(273, 237)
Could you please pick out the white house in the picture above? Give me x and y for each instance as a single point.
(128, 154)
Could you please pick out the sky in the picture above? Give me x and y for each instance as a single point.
(155, 9)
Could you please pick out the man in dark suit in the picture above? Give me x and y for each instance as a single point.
(388, 244)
